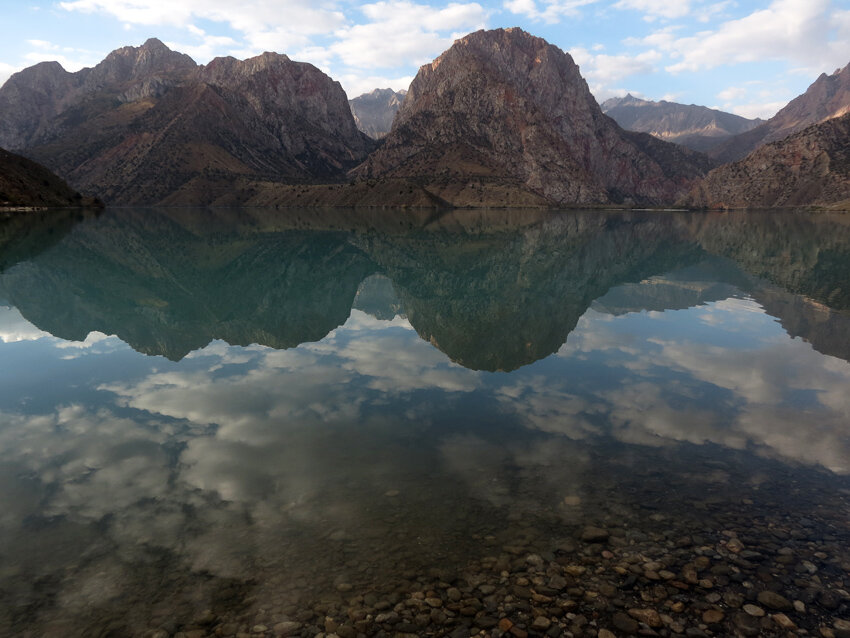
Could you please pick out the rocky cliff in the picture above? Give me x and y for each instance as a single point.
(147, 125)
(828, 97)
(374, 112)
(697, 127)
(506, 107)
(809, 168)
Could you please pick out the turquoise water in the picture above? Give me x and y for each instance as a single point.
(218, 422)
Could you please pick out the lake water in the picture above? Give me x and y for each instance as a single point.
(268, 423)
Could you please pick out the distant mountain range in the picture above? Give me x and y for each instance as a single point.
(697, 127)
(374, 112)
(502, 118)
(147, 125)
(828, 97)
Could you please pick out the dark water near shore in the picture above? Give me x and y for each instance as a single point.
(293, 423)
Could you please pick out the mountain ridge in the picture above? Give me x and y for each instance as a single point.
(697, 127)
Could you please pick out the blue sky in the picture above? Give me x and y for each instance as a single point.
(747, 56)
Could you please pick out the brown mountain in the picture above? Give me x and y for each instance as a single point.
(374, 112)
(24, 183)
(506, 109)
(828, 97)
(811, 167)
(697, 127)
(147, 125)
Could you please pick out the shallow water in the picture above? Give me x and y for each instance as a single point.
(293, 423)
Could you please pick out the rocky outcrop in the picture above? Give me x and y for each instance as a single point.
(810, 168)
(374, 112)
(24, 183)
(828, 97)
(697, 127)
(504, 105)
(147, 125)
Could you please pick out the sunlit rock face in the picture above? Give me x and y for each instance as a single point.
(697, 127)
(374, 112)
(827, 97)
(503, 104)
(147, 125)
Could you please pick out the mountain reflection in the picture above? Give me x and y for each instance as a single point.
(239, 485)
(493, 291)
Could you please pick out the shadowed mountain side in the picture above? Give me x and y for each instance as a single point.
(505, 105)
(25, 183)
(147, 125)
(809, 168)
(168, 289)
(503, 300)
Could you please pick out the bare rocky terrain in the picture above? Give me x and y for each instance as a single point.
(506, 105)
(374, 112)
(697, 127)
(809, 168)
(147, 125)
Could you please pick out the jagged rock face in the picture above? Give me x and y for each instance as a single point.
(374, 112)
(811, 167)
(147, 125)
(828, 97)
(697, 127)
(505, 104)
(33, 99)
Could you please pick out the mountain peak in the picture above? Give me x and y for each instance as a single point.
(505, 107)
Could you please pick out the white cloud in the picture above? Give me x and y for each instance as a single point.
(603, 72)
(796, 31)
(70, 58)
(6, 70)
(764, 110)
(551, 12)
(654, 9)
(13, 327)
(356, 84)
(399, 30)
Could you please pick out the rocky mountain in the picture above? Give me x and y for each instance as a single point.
(147, 125)
(828, 97)
(374, 112)
(26, 183)
(809, 168)
(504, 109)
(697, 127)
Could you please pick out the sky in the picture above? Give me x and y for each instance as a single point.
(748, 57)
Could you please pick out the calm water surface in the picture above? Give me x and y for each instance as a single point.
(293, 423)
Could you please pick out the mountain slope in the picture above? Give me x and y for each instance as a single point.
(697, 127)
(811, 167)
(506, 107)
(374, 112)
(147, 125)
(26, 183)
(828, 97)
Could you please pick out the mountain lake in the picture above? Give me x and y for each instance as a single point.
(265, 423)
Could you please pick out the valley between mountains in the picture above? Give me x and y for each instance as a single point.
(500, 119)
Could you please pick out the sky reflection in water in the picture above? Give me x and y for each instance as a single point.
(257, 464)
